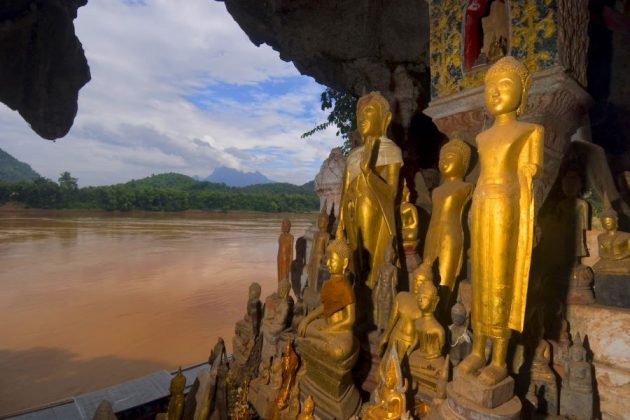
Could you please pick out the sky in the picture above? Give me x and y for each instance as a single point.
(178, 87)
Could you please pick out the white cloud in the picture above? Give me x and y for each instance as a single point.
(136, 117)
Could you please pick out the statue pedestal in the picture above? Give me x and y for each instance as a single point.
(425, 374)
(329, 383)
(612, 289)
(468, 399)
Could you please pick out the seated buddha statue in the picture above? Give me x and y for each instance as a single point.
(389, 399)
(614, 246)
(328, 328)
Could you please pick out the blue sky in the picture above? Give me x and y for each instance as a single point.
(178, 87)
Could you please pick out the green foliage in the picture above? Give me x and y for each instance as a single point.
(12, 170)
(164, 192)
(343, 107)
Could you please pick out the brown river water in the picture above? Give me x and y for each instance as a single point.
(91, 299)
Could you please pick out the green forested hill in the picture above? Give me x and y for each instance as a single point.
(163, 192)
(12, 170)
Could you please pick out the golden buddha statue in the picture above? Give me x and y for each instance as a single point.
(290, 364)
(614, 246)
(328, 328)
(445, 238)
(401, 330)
(408, 219)
(431, 335)
(389, 397)
(285, 251)
(175, 409)
(370, 186)
(308, 406)
(502, 218)
(318, 250)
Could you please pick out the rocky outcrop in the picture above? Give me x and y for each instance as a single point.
(42, 63)
(349, 45)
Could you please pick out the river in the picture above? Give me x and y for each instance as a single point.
(91, 299)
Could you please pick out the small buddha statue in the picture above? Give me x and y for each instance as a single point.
(459, 338)
(389, 401)
(421, 274)
(290, 364)
(370, 187)
(329, 327)
(401, 332)
(285, 251)
(318, 249)
(276, 318)
(241, 410)
(573, 212)
(384, 290)
(308, 406)
(614, 246)
(175, 409)
(543, 380)
(248, 328)
(576, 395)
(445, 238)
(408, 219)
(502, 219)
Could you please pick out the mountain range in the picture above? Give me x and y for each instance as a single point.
(235, 178)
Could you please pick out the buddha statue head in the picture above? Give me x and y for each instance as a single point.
(254, 291)
(506, 87)
(427, 297)
(373, 115)
(571, 184)
(338, 254)
(458, 313)
(578, 353)
(308, 406)
(284, 287)
(286, 225)
(454, 159)
(322, 220)
(608, 216)
(178, 383)
(422, 274)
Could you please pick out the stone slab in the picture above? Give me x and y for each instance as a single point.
(607, 331)
(612, 289)
(485, 396)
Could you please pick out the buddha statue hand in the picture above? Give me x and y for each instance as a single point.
(371, 145)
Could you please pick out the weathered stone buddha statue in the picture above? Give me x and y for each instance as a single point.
(308, 406)
(576, 395)
(285, 251)
(317, 253)
(573, 212)
(445, 237)
(614, 246)
(175, 409)
(459, 338)
(276, 318)
(326, 342)
(502, 219)
(248, 328)
(425, 362)
(384, 290)
(389, 401)
(370, 187)
(543, 391)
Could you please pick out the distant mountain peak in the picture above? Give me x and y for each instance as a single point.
(12, 170)
(235, 178)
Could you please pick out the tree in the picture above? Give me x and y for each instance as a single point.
(343, 107)
(67, 182)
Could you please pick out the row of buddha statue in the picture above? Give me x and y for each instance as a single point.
(354, 321)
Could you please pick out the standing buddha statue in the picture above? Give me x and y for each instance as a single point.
(370, 186)
(285, 251)
(502, 216)
(445, 237)
(384, 290)
(176, 403)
